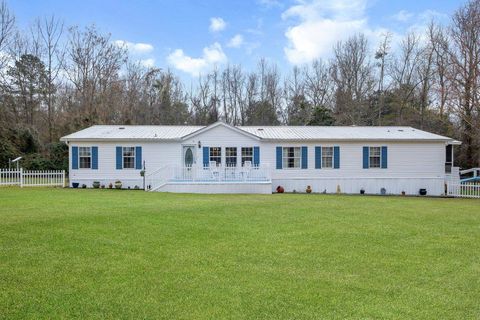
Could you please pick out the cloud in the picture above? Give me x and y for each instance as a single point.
(217, 24)
(148, 63)
(320, 24)
(211, 56)
(135, 48)
(270, 3)
(403, 16)
(236, 41)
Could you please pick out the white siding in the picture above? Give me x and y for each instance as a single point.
(411, 165)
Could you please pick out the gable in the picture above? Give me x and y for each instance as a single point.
(221, 131)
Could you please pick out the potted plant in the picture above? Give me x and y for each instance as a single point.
(403, 193)
(118, 184)
(309, 189)
(110, 185)
(142, 173)
(280, 189)
(96, 184)
(362, 191)
(422, 192)
(102, 186)
(75, 185)
(136, 187)
(383, 191)
(84, 186)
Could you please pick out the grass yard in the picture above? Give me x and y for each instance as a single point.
(129, 254)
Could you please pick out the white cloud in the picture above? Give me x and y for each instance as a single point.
(135, 48)
(211, 56)
(148, 63)
(236, 41)
(217, 24)
(320, 24)
(403, 16)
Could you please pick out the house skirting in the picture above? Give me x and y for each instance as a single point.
(217, 187)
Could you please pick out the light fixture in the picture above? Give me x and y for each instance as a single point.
(199, 144)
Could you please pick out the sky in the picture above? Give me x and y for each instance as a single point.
(192, 37)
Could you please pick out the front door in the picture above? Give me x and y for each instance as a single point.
(188, 156)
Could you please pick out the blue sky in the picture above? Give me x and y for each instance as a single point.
(190, 37)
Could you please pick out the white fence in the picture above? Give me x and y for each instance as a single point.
(32, 178)
(212, 174)
(463, 190)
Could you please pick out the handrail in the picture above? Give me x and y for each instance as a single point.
(474, 170)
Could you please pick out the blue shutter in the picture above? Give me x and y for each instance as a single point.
(256, 156)
(279, 157)
(206, 156)
(74, 157)
(336, 157)
(304, 157)
(318, 157)
(384, 157)
(365, 157)
(119, 158)
(138, 158)
(95, 158)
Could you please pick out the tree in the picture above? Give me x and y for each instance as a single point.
(321, 117)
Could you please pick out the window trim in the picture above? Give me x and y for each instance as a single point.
(80, 156)
(379, 157)
(218, 163)
(332, 157)
(134, 157)
(242, 161)
(299, 157)
(231, 157)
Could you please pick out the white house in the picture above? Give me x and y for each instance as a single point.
(220, 158)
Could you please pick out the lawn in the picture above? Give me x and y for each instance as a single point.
(68, 253)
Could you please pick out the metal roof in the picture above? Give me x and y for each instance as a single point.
(277, 133)
(341, 133)
(119, 132)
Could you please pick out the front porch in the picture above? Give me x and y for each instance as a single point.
(210, 179)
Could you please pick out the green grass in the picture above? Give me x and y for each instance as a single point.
(131, 254)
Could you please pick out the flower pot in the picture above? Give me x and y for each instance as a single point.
(75, 185)
(280, 189)
(96, 184)
(309, 189)
(362, 191)
(118, 185)
(422, 192)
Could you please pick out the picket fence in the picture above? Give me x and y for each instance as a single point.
(32, 178)
(463, 190)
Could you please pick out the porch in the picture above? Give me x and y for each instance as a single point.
(210, 179)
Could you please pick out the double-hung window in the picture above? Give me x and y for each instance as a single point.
(291, 157)
(247, 155)
(231, 156)
(128, 154)
(85, 157)
(216, 155)
(327, 157)
(374, 157)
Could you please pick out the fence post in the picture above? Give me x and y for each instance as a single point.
(21, 177)
(63, 178)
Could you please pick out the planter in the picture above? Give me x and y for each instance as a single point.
(403, 193)
(118, 184)
(309, 189)
(96, 184)
(75, 185)
(362, 191)
(383, 191)
(422, 192)
(280, 189)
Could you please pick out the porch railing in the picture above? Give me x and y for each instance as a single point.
(463, 190)
(172, 173)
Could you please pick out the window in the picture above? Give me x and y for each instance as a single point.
(327, 157)
(231, 156)
(374, 157)
(129, 157)
(85, 157)
(291, 157)
(216, 155)
(247, 155)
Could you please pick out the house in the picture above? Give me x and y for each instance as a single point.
(220, 158)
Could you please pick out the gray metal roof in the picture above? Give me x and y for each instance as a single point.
(119, 132)
(276, 133)
(341, 133)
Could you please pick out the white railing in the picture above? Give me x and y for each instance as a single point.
(32, 178)
(212, 174)
(463, 190)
